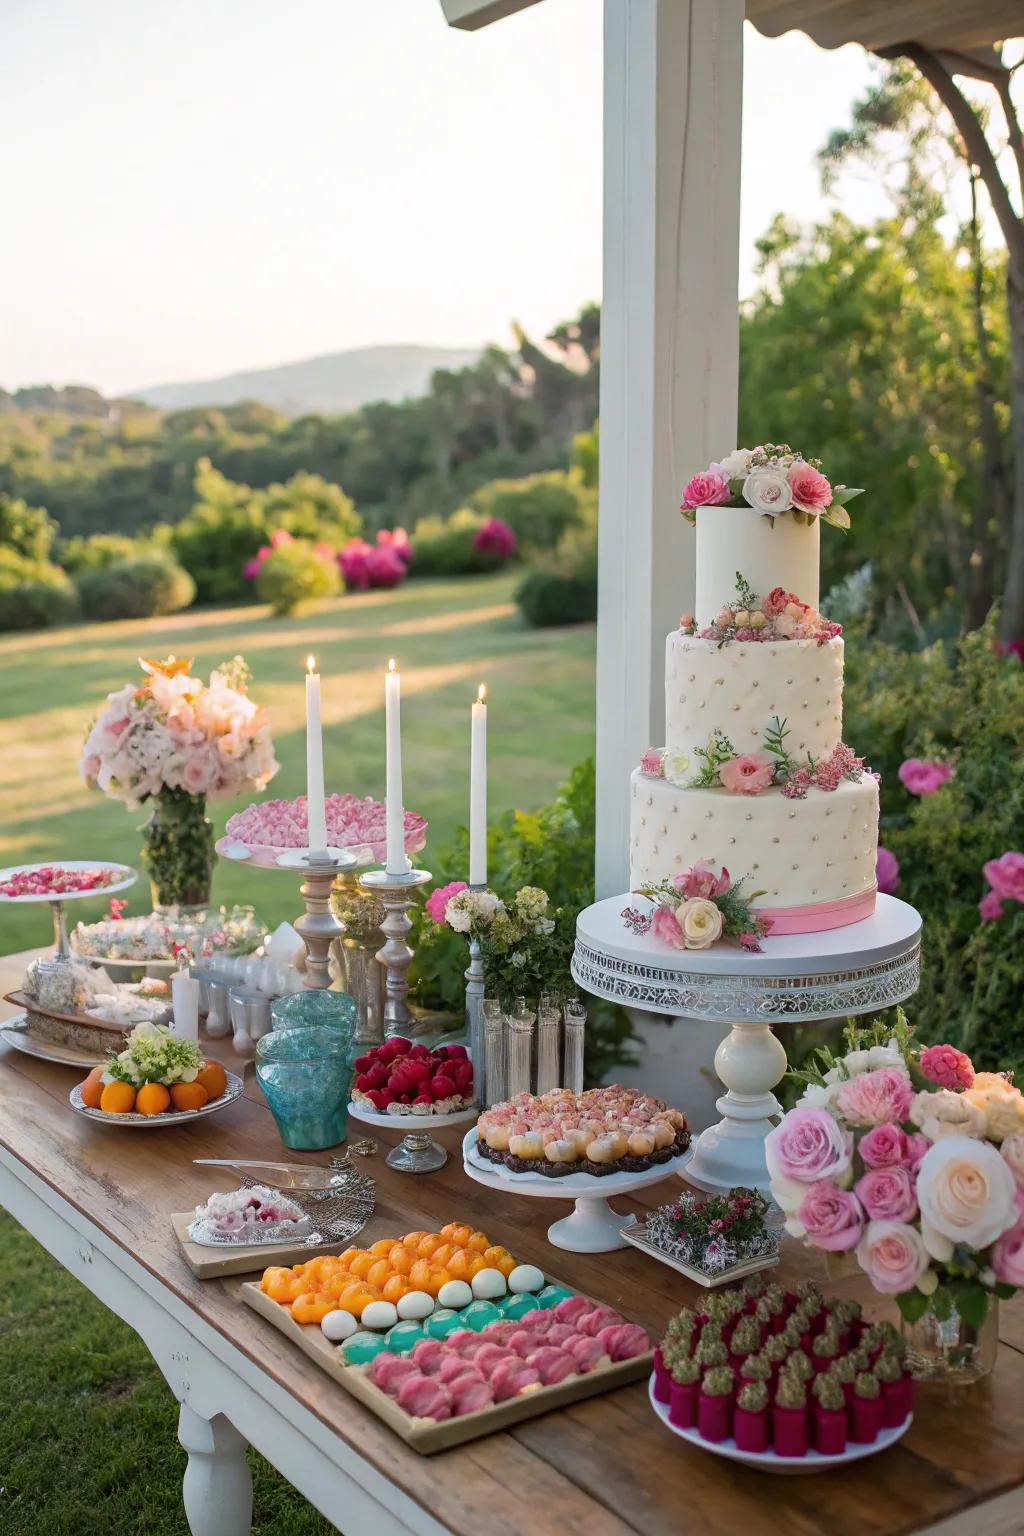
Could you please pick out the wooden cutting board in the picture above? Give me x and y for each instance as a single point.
(242, 1259)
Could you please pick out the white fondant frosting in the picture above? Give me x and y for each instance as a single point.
(738, 688)
(798, 852)
(768, 552)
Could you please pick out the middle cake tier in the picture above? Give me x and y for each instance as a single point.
(741, 687)
(813, 858)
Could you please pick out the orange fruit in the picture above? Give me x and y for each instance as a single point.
(358, 1297)
(458, 1232)
(440, 1256)
(492, 1255)
(189, 1095)
(382, 1247)
(395, 1288)
(476, 1263)
(311, 1309)
(152, 1099)
(380, 1273)
(438, 1277)
(92, 1088)
(361, 1265)
(213, 1078)
(117, 1098)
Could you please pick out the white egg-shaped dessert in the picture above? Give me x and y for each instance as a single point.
(455, 1294)
(488, 1284)
(380, 1314)
(525, 1277)
(414, 1306)
(338, 1326)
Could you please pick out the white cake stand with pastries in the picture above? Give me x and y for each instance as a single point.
(805, 977)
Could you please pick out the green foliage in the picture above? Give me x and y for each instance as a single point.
(964, 703)
(28, 531)
(296, 573)
(444, 546)
(33, 593)
(563, 590)
(99, 550)
(140, 588)
(539, 509)
(552, 848)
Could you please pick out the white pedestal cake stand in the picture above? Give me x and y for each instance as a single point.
(593, 1227)
(805, 977)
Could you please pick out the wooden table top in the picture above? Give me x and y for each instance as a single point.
(605, 1467)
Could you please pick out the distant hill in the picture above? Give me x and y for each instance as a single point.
(332, 384)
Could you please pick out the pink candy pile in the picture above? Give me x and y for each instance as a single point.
(470, 1371)
(351, 822)
(55, 880)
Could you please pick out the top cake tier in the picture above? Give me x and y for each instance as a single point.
(770, 552)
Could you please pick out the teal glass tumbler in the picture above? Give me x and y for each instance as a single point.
(306, 1077)
(315, 1006)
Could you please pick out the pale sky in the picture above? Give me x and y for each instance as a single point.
(198, 186)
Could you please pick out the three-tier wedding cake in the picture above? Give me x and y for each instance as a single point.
(754, 775)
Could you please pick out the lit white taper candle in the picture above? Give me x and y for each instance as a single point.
(316, 811)
(396, 861)
(478, 790)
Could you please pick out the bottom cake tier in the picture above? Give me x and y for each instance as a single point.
(814, 858)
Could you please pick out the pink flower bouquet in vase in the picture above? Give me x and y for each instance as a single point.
(911, 1162)
(174, 742)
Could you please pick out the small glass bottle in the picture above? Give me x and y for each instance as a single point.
(495, 1045)
(575, 1023)
(520, 1050)
(548, 1041)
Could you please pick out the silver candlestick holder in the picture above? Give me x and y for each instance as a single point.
(318, 926)
(395, 892)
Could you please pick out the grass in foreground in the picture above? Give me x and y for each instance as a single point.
(447, 636)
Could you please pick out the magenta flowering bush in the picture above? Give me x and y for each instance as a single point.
(772, 479)
(495, 539)
(436, 903)
(365, 567)
(924, 778)
(887, 871)
(914, 1162)
(1005, 876)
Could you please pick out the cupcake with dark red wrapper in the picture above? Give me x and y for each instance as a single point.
(750, 1417)
(662, 1376)
(829, 1416)
(867, 1409)
(897, 1389)
(825, 1349)
(775, 1350)
(714, 1406)
(844, 1371)
(711, 1352)
(789, 1417)
(745, 1340)
(684, 1391)
(798, 1364)
(756, 1368)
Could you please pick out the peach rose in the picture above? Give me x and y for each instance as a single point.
(944, 1113)
(892, 1256)
(1001, 1104)
(967, 1195)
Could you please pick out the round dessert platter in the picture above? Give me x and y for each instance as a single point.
(15, 1033)
(593, 1226)
(412, 1122)
(801, 977)
(771, 1461)
(137, 1121)
(274, 833)
(121, 877)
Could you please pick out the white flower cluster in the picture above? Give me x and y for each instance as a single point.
(470, 908)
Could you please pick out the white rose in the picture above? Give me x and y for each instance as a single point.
(818, 1096)
(888, 1055)
(944, 1113)
(767, 491)
(676, 768)
(967, 1195)
(700, 922)
(735, 465)
(457, 917)
(857, 1062)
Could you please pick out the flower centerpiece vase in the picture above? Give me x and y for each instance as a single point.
(178, 852)
(951, 1349)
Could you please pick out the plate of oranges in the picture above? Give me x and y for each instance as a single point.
(155, 1104)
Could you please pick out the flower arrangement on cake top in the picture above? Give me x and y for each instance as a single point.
(714, 1233)
(174, 732)
(915, 1162)
(779, 616)
(720, 766)
(772, 479)
(696, 908)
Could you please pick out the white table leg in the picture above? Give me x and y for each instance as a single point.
(217, 1490)
(749, 1061)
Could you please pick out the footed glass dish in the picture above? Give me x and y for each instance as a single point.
(306, 1077)
(317, 1006)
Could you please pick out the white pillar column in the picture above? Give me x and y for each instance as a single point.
(673, 74)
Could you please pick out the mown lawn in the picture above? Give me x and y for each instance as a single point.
(447, 636)
(88, 1443)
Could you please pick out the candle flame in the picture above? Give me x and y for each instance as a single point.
(391, 664)
(481, 693)
(310, 663)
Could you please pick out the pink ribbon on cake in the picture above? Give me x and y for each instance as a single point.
(817, 916)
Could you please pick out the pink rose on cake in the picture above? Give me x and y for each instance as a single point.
(810, 490)
(708, 489)
(701, 880)
(694, 924)
(748, 774)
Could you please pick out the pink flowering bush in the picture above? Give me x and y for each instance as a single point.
(887, 871)
(923, 778)
(384, 564)
(495, 539)
(924, 1184)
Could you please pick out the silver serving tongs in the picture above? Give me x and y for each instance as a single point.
(287, 1175)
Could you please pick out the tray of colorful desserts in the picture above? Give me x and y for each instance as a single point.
(577, 1138)
(402, 1083)
(785, 1381)
(447, 1337)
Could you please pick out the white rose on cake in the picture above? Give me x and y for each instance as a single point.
(700, 922)
(735, 465)
(676, 768)
(767, 490)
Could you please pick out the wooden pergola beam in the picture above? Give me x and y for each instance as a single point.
(470, 15)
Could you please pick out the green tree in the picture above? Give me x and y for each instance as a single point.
(28, 531)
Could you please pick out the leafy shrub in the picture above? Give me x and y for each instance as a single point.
(294, 573)
(552, 848)
(141, 588)
(447, 546)
(564, 591)
(99, 550)
(539, 509)
(27, 531)
(384, 564)
(964, 704)
(33, 593)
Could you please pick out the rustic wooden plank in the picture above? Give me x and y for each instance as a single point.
(602, 1468)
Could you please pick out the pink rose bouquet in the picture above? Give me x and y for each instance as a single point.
(697, 908)
(913, 1161)
(773, 479)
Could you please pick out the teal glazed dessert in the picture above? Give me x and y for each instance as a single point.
(361, 1348)
(478, 1314)
(443, 1322)
(515, 1307)
(403, 1337)
(551, 1295)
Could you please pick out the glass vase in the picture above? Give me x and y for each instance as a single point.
(359, 970)
(575, 1027)
(178, 851)
(306, 1077)
(951, 1349)
(495, 1053)
(548, 1048)
(520, 1051)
